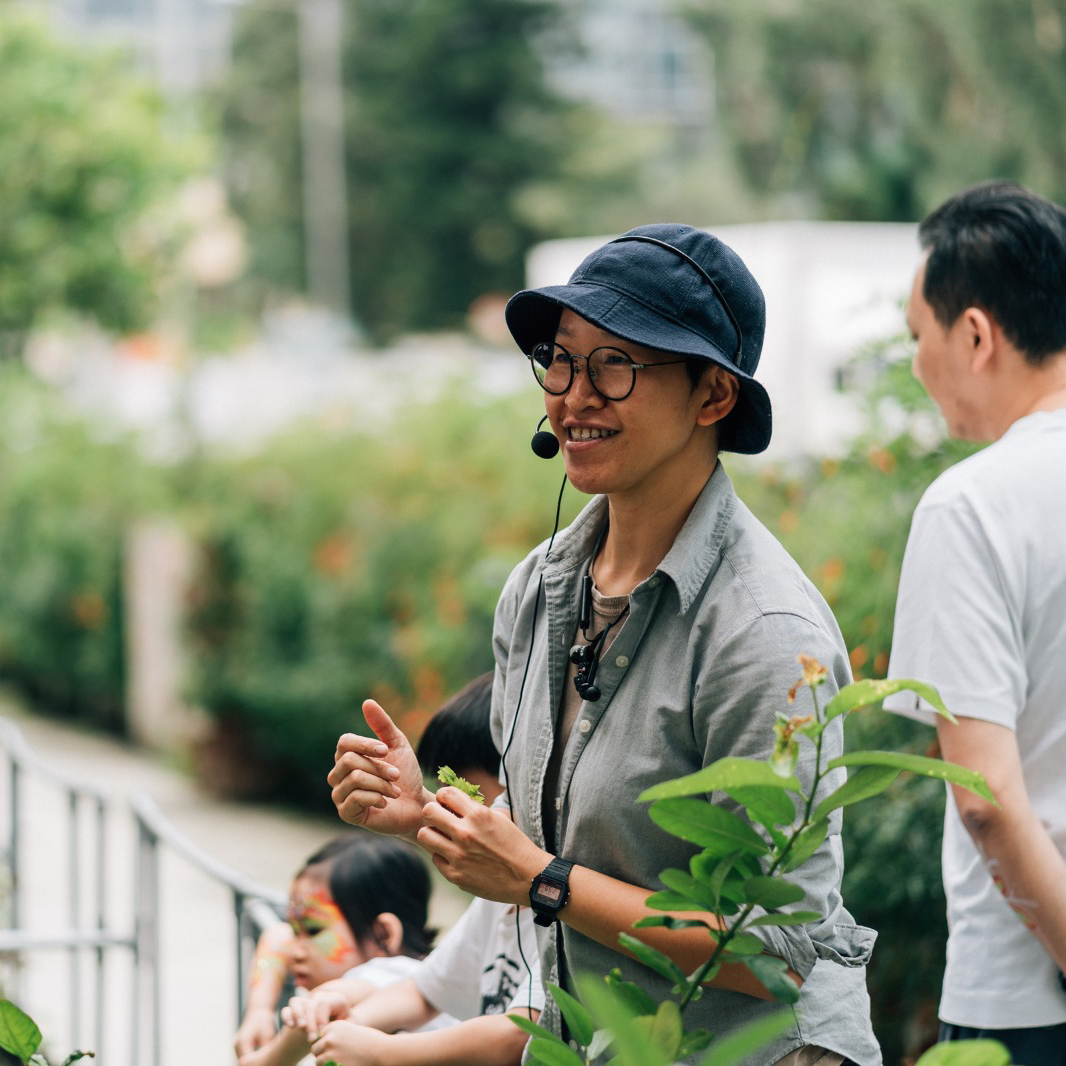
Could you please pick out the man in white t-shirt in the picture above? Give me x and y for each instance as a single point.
(982, 605)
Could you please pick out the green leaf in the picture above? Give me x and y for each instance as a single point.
(552, 1054)
(721, 776)
(637, 1000)
(920, 764)
(867, 782)
(670, 922)
(704, 863)
(633, 1042)
(578, 1019)
(693, 1042)
(653, 959)
(447, 776)
(863, 693)
(772, 972)
(807, 843)
(702, 823)
(966, 1053)
(674, 901)
(772, 892)
(74, 1056)
(745, 944)
(18, 1031)
(767, 806)
(666, 1029)
(527, 1025)
(735, 1048)
(601, 1041)
(690, 887)
(795, 918)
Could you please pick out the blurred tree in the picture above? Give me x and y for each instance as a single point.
(83, 155)
(879, 111)
(449, 123)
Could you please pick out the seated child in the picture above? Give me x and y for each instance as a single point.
(357, 907)
(485, 967)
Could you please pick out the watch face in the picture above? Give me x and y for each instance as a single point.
(549, 891)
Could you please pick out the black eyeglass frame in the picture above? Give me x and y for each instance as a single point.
(634, 366)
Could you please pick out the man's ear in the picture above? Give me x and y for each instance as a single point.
(981, 333)
(720, 390)
(388, 931)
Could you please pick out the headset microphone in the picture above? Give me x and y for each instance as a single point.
(544, 444)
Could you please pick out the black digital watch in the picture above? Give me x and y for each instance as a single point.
(549, 891)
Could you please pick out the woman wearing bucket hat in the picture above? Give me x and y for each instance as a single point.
(656, 634)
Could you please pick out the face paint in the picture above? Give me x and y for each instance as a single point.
(324, 947)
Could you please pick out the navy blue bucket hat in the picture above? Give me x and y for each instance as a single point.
(673, 288)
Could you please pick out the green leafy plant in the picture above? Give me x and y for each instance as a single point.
(739, 879)
(21, 1039)
(447, 776)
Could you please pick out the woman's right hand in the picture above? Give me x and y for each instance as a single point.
(377, 783)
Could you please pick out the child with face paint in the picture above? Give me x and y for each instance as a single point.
(357, 908)
(485, 968)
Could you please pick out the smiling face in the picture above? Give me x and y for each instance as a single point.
(323, 945)
(657, 441)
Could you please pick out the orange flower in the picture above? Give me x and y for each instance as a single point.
(89, 610)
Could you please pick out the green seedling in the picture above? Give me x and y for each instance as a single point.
(447, 776)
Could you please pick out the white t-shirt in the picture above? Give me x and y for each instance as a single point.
(387, 970)
(981, 615)
(487, 963)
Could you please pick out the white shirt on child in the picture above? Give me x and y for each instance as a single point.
(488, 963)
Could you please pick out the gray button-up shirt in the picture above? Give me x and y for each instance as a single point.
(699, 671)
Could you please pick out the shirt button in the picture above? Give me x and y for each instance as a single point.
(573, 1044)
(558, 803)
(653, 582)
(622, 660)
(584, 725)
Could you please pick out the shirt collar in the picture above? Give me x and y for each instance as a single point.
(692, 557)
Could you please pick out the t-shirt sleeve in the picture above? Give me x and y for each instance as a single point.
(486, 964)
(955, 625)
(449, 975)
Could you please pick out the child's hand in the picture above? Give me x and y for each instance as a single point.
(257, 1029)
(312, 1013)
(348, 1044)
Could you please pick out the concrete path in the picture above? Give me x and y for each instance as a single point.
(197, 928)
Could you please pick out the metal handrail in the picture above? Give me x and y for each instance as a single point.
(254, 906)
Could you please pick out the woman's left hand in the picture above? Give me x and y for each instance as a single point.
(479, 848)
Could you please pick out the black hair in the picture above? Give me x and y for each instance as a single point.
(1002, 248)
(459, 735)
(369, 875)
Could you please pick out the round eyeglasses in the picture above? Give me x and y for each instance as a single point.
(612, 373)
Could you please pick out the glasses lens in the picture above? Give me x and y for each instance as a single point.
(612, 373)
(552, 366)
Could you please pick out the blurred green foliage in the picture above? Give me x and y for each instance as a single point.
(335, 567)
(880, 111)
(66, 499)
(449, 123)
(85, 154)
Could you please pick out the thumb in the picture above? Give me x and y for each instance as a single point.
(383, 726)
